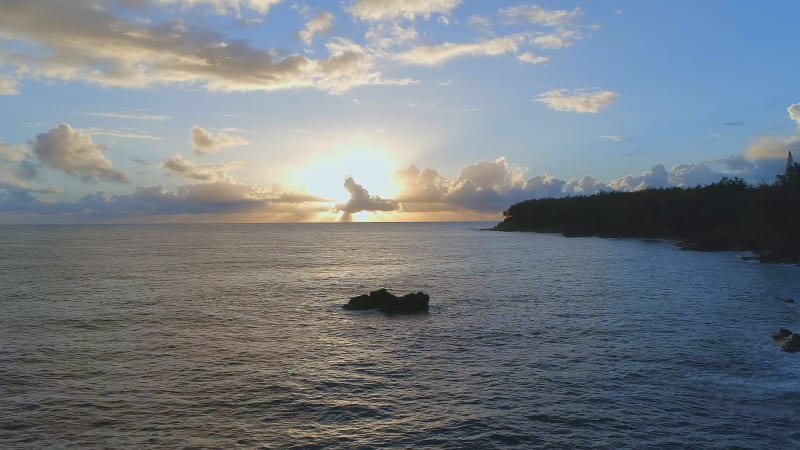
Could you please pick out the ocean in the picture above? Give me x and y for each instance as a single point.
(234, 336)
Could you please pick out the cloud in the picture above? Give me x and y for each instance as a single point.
(688, 175)
(375, 10)
(769, 147)
(361, 200)
(350, 65)
(18, 169)
(186, 168)
(530, 58)
(657, 177)
(120, 115)
(486, 186)
(221, 200)
(794, 112)
(480, 22)
(492, 186)
(227, 6)
(74, 152)
(78, 41)
(420, 186)
(585, 186)
(558, 39)
(8, 85)
(539, 15)
(321, 23)
(205, 142)
(385, 35)
(432, 55)
(119, 133)
(579, 100)
(734, 123)
(611, 137)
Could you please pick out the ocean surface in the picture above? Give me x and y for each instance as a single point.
(234, 336)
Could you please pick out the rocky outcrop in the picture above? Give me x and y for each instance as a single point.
(386, 302)
(786, 340)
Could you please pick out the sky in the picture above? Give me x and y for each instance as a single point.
(137, 111)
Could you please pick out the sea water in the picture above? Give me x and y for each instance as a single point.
(234, 336)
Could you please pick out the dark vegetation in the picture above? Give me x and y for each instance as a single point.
(727, 215)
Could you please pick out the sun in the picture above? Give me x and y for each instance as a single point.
(370, 167)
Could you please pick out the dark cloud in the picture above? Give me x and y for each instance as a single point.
(361, 200)
(217, 198)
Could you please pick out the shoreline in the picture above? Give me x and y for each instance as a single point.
(699, 243)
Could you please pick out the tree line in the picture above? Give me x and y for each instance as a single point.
(727, 215)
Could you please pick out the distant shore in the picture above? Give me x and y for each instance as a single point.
(691, 243)
(726, 216)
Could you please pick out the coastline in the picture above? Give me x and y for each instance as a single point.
(700, 243)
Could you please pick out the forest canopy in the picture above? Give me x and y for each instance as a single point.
(727, 215)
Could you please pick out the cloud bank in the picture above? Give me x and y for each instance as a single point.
(151, 43)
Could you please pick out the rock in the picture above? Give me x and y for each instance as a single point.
(780, 334)
(386, 302)
(787, 341)
(361, 302)
(790, 343)
(408, 303)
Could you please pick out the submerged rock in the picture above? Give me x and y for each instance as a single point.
(781, 334)
(786, 340)
(386, 302)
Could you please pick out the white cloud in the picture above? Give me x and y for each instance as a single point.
(12, 154)
(121, 115)
(794, 112)
(689, 175)
(432, 55)
(227, 6)
(545, 186)
(480, 22)
(74, 152)
(657, 177)
(386, 35)
(539, 15)
(76, 41)
(611, 137)
(420, 186)
(321, 23)
(579, 100)
(8, 85)
(205, 142)
(374, 10)
(119, 133)
(530, 58)
(559, 39)
(585, 186)
(497, 175)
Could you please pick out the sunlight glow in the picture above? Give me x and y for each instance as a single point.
(372, 168)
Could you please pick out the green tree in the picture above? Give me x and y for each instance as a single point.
(791, 177)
